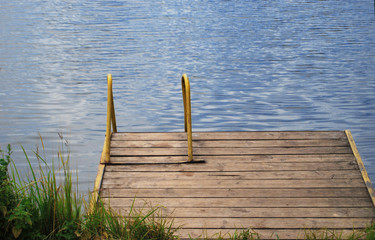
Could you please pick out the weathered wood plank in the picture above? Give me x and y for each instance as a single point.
(259, 212)
(124, 192)
(229, 135)
(226, 151)
(249, 158)
(235, 166)
(292, 223)
(253, 175)
(232, 143)
(241, 202)
(218, 184)
(263, 233)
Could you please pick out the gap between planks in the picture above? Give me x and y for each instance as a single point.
(228, 151)
(228, 183)
(269, 158)
(245, 175)
(230, 143)
(233, 167)
(259, 212)
(245, 202)
(227, 192)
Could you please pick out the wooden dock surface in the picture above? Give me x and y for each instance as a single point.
(273, 182)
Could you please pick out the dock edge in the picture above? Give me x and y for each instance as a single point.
(97, 185)
(361, 166)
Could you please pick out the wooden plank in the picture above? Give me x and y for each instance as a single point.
(362, 168)
(218, 184)
(232, 143)
(234, 166)
(272, 222)
(240, 202)
(346, 174)
(140, 136)
(226, 151)
(258, 212)
(360, 192)
(270, 135)
(229, 135)
(249, 158)
(291, 223)
(188, 233)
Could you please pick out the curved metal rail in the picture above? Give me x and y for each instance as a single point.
(105, 158)
(111, 122)
(187, 113)
(111, 118)
(112, 127)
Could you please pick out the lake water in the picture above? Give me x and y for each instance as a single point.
(253, 65)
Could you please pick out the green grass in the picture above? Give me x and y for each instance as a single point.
(46, 204)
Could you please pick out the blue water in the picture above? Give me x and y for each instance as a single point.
(253, 65)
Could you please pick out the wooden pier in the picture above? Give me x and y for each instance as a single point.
(280, 184)
(273, 182)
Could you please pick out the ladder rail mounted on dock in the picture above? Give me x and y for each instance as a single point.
(111, 122)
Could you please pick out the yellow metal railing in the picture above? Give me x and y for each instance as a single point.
(111, 118)
(111, 122)
(111, 127)
(187, 113)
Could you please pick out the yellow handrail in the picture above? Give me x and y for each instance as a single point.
(111, 122)
(187, 114)
(111, 125)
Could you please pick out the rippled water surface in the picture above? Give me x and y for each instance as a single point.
(253, 65)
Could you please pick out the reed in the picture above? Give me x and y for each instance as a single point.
(44, 207)
(46, 204)
(104, 221)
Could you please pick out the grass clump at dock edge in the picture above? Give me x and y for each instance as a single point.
(45, 204)
(105, 223)
(41, 204)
